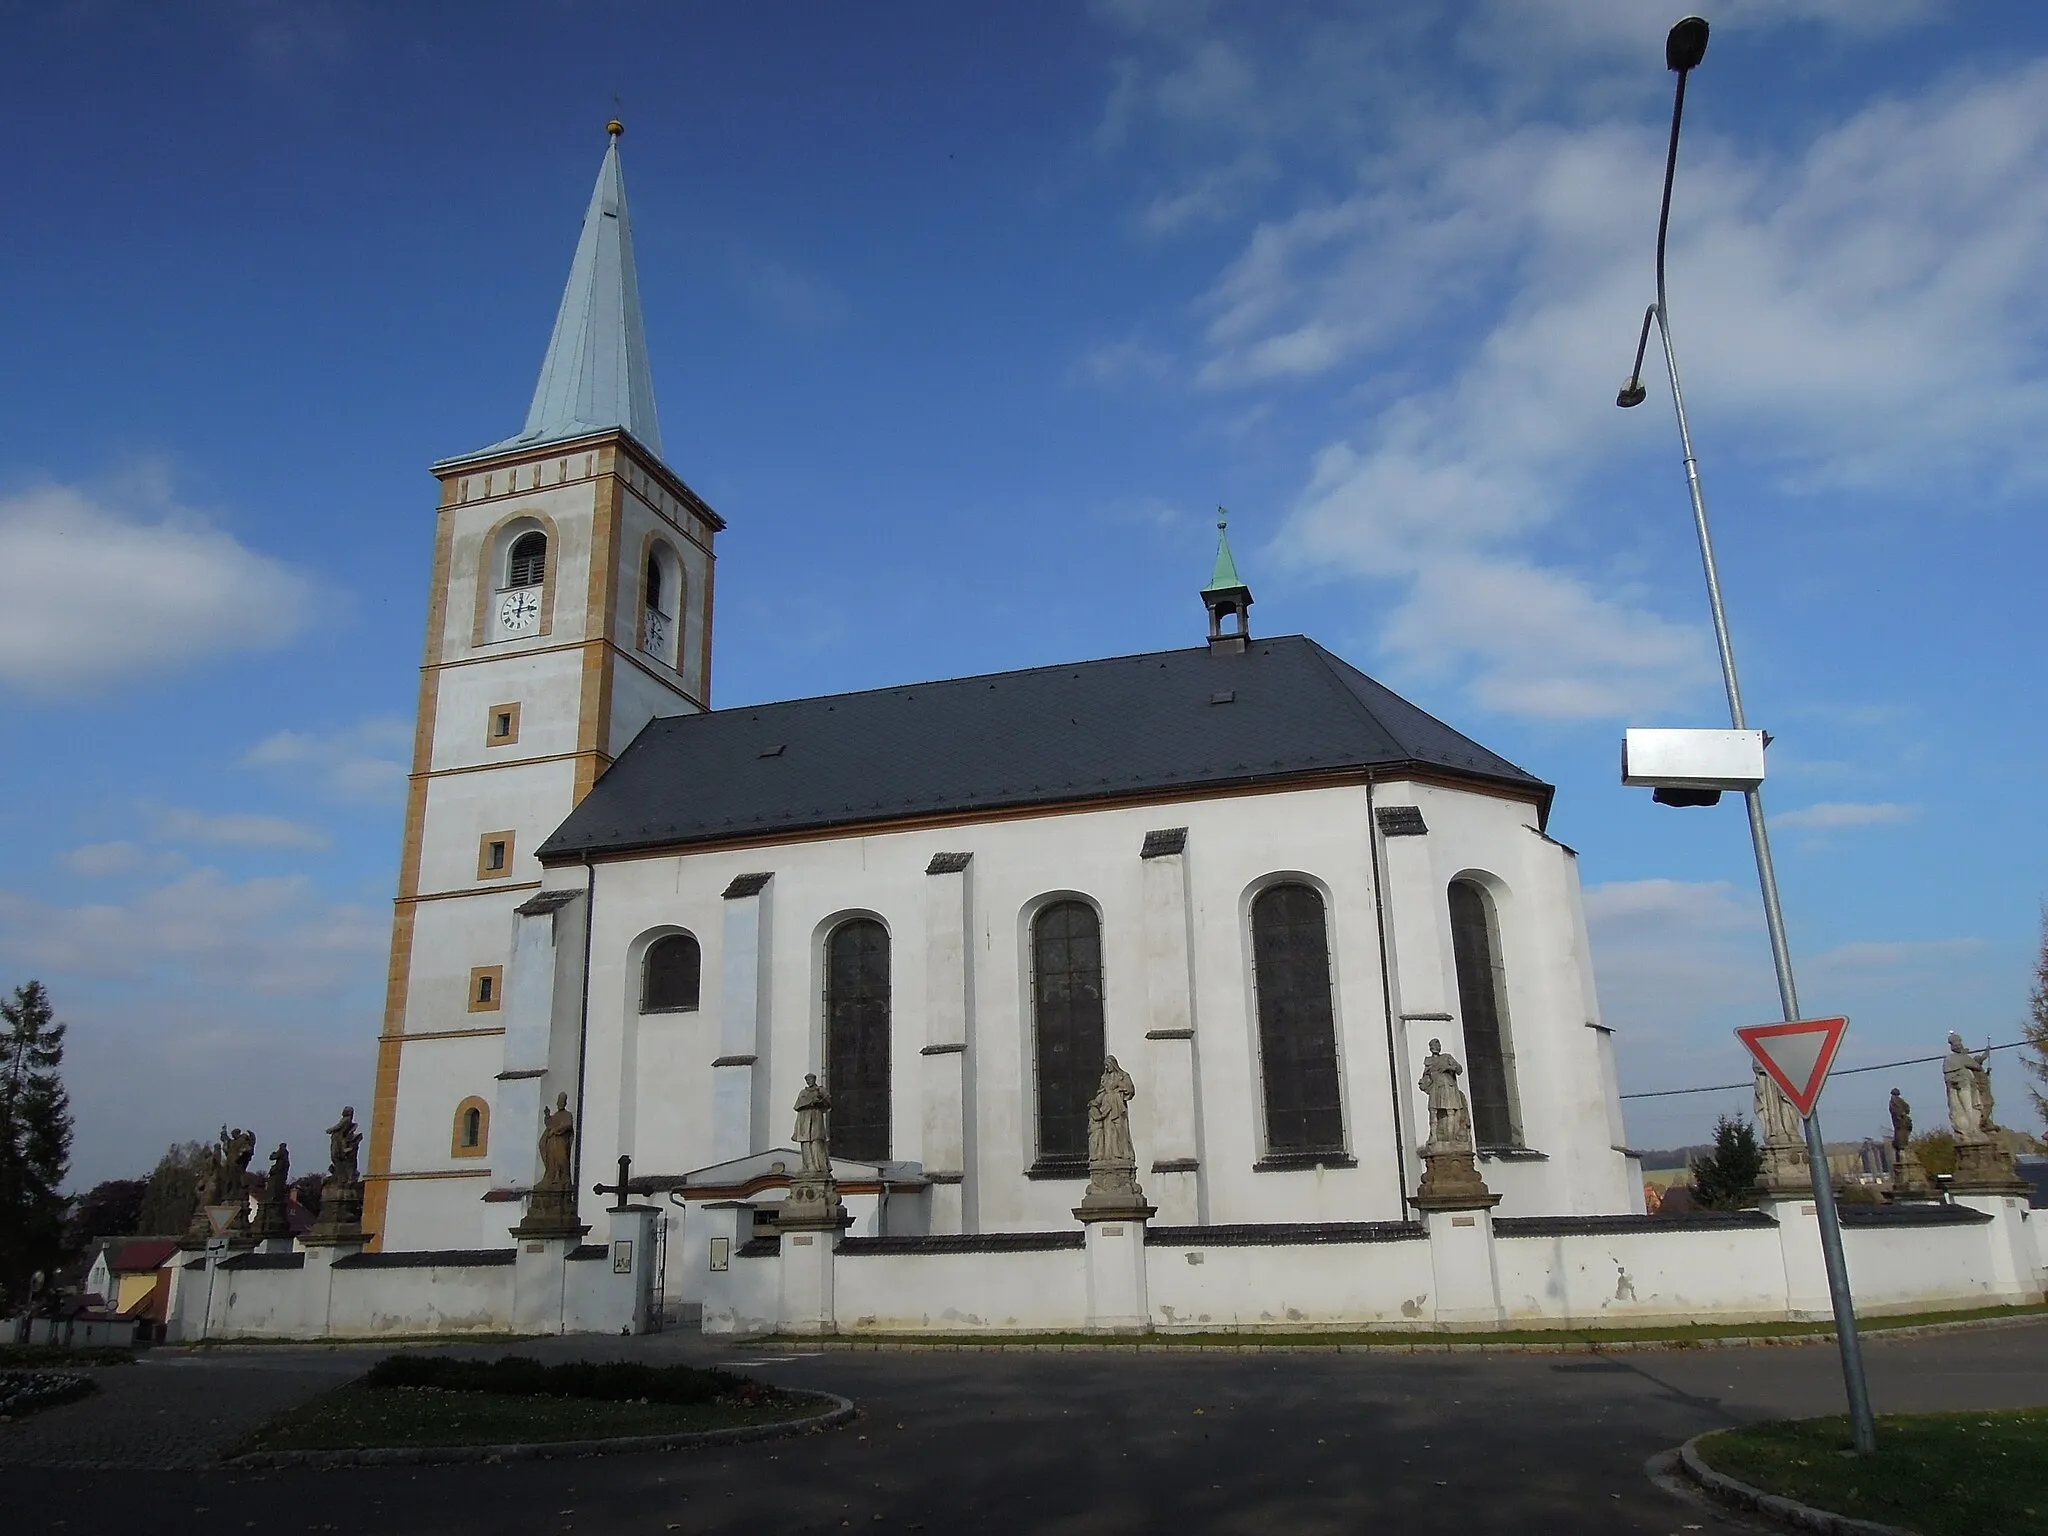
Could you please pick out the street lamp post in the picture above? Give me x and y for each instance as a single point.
(1684, 47)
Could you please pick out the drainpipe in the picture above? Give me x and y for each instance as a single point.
(1379, 912)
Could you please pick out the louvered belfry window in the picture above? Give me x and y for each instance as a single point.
(857, 1039)
(669, 980)
(654, 585)
(1066, 996)
(529, 563)
(1297, 1025)
(1482, 1000)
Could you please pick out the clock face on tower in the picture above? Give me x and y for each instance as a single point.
(519, 610)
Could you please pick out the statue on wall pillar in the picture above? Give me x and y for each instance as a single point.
(813, 1200)
(340, 1218)
(1450, 1176)
(272, 1218)
(551, 1206)
(1984, 1159)
(1786, 1170)
(1112, 1157)
(1909, 1175)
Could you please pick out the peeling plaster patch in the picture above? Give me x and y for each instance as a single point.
(1624, 1288)
(1413, 1306)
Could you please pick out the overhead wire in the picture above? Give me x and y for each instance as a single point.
(1882, 1066)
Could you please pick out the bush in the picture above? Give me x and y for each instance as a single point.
(520, 1376)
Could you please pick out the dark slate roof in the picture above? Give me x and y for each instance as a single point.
(1170, 721)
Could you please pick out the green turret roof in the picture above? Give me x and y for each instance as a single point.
(1224, 578)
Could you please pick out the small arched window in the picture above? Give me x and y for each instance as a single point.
(654, 603)
(1297, 1022)
(528, 564)
(857, 1038)
(1066, 998)
(1483, 1003)
(670, 974)
(472, 1130)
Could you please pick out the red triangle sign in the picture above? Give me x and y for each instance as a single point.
(1796, 1055)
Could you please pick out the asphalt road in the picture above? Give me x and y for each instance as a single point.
(1070, 1443)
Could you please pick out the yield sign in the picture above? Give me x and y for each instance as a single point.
(1797, 1055)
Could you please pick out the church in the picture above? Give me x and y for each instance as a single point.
(1256, 877)
(1216, 988)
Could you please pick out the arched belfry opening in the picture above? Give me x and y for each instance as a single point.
(1227, 598)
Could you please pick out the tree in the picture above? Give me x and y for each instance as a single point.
(1936, 1151)
(307, 1187)
(35, 1139)
(173, 1191)
(2036, 1028)
(112, 1208)
(1722, 1180)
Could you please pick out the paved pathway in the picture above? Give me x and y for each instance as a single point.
(1068, 1443)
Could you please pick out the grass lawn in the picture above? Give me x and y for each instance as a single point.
(1678, 1334)
(413, 1400)
(1942, 1474)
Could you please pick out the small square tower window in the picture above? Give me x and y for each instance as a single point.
(501, 725)
(486, 986)
(494, 856)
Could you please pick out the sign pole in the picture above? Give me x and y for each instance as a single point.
(1863, 1427)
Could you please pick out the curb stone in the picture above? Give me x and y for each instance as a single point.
(1740, 1495)
(1424, 1344)
(841, 1412)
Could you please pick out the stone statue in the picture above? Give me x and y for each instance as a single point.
(813, 1201)
(1902, 1125)
(1113, 1190)
(1450, 1115)
(274, 1196)
(551, 1203)
(1969, 1091)
(1909, 1175)
(1109, 1121)
(813, 1128)
(558, 1146)
(1786, 1169)
(344, 1143)
(340, 1219)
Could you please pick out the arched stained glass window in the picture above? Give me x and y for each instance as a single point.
(669, 977)
(528, 564)
(1297, 1024)
(857, 1038)
(1066, 1000)
(1483, 1003)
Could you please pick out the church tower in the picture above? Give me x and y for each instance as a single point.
(570, 604)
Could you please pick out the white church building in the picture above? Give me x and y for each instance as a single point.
(1255, 876)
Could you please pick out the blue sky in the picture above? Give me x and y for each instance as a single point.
(966, 318)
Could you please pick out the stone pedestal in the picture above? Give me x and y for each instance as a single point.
(809, 1224)
(1807, 1297)
(1457, 1212)
(1986, 1167)
(1910, 1182)
(1451, 1182)
(539, 1282)
(551, 1213)
(1462, 1263)
(1114, 1241)
(341, 1215)
(1787, 1172)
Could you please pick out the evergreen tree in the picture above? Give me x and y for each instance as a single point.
(111, 1208)
(35, 1140)
(1722, 1180)
(2036, 1027)
(173, 1192)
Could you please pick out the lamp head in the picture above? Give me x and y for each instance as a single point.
(1686, 44)
(1632, 394)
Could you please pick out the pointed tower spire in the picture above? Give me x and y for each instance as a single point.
(1226, 596)
(595, 374)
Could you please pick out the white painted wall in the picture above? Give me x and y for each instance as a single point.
(962, 1292)
(1193, 1287)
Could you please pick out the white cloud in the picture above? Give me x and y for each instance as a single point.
(274, 936)
(236, 829)
(92, 594)
(101, 861)
(365, 761)
(1858, 308)
(1834, 815)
